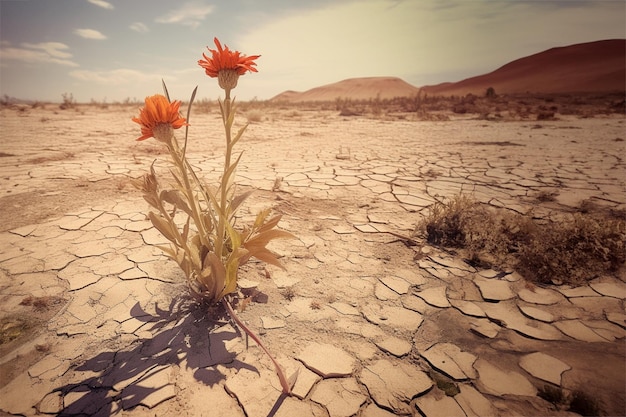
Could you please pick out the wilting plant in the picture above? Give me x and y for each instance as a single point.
(206, 243)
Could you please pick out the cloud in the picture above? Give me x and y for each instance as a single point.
(139, 27)
(102, 3)
(89, 34)
(116, 77)
(189, 14)
(44, 52)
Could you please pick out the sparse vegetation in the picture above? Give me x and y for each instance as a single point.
(12, 327)
(578, 401)
(584, 404)
(68, 101)
(573, 251)
(254, 116)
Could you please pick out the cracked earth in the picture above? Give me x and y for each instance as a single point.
(95, 321)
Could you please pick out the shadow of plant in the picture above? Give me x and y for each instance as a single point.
(185, 334)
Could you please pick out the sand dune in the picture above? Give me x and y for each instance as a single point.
(587, 67)
(353, 88)
(592, 67)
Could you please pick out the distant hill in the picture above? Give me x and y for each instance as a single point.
(353, 88)
(592, 67)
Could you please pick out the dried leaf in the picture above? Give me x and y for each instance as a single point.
(186, 230)
(152, 200)
(260, 218)
(239, 134)
(162, 226)
(195, 251)
(175, 198)
(237, 201)
(217, 271)
(270, 224)
(168, 251)
(231, 278)
(262, 239)
(267, 256)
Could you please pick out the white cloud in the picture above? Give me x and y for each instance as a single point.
(139, 27)
(54, 49)
(116, 77)
(189, 14)
(89, 34)
(44, 52)
(102, 3)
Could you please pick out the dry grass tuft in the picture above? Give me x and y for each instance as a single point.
(572, 251)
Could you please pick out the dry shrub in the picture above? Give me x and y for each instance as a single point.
(571, 251)
(574, 250)
(254, 116)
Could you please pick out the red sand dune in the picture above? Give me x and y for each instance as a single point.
(353, 88)
(592, 67)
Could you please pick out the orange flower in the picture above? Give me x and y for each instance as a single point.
(158, 118)
(231, 64)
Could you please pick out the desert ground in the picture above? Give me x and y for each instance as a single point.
(94, 320)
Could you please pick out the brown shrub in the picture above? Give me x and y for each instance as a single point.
(572, 251)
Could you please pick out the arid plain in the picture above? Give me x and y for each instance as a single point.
(93, 318)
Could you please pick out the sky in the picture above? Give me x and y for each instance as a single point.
(116, 50)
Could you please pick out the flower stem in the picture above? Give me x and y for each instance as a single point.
(179, 161)
(279, 371)
(223, 216)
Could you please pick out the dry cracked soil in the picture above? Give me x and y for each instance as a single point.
(94, 319)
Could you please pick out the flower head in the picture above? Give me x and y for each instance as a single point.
(159, 118)
(227, 65)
